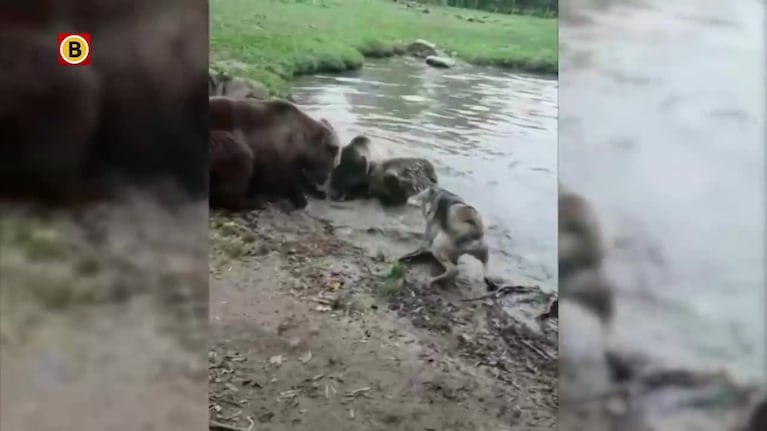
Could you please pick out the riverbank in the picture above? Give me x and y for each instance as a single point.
(315, 328)
(273, 41)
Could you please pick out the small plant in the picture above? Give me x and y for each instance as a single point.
(396, 271)
(393, 280)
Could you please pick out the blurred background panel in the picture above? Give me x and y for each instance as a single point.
(103, 217)
(662, 131)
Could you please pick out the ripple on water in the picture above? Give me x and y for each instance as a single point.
(415, 98)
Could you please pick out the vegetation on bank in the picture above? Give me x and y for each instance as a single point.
(272, 41)
(545, 8)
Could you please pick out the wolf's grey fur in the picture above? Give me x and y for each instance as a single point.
(453, 229)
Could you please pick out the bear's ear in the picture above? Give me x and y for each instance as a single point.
(329, 139)
(327, 124)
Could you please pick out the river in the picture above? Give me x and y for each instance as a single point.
(491, 135)
(662, 127)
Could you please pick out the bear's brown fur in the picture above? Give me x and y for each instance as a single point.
(231, 171)
(137, 113)
(292, 152)
(580, 234)
(581, 252)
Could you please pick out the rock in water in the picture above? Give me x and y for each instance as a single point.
(220, 84)
(441, 62)
(422, 48)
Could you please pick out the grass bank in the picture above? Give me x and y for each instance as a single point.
(274, 40)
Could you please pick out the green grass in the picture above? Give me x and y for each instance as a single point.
(229, 239)
(396, 271)
(392, 281)
(272, 41)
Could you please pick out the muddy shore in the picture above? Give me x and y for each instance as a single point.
(313, 331)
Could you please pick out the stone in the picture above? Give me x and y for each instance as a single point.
(422, 48)
(220, 84)
(440, 62)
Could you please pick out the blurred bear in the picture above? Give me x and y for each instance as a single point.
(136, 115)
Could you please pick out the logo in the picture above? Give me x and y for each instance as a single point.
(74, 49)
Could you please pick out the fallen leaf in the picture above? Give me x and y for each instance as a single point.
(294, 342)
(358, 391)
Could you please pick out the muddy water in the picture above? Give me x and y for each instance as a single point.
(662, 126)
(492, 136)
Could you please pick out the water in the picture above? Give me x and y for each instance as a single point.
(492, 136)
(662, 126)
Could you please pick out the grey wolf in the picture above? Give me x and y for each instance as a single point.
(453, 229)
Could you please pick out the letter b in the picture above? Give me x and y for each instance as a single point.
(75, 49)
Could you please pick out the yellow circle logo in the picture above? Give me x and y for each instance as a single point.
(74, 49)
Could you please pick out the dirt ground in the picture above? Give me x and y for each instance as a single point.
(103, 318)
(312, 331)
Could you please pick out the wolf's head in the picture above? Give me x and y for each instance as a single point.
(423, 196)
(425, 200)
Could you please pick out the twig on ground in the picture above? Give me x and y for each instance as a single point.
(215, 425)
(536, 350)
(230, 402)
(505, 290)
(232, 416)
(359, 391)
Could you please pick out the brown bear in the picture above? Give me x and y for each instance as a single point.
(137, 113)
(292, 153)
(366, 170)
(581, 245)
(581, 252)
